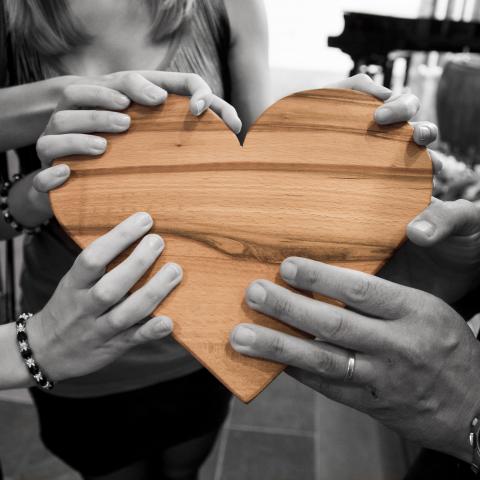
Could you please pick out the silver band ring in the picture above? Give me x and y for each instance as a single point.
(350, 367)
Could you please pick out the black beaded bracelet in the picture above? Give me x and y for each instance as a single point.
(26, 352)
(7, 216)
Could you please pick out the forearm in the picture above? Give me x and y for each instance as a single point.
(26, 109)
(13, 373)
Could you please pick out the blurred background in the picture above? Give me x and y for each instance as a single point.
(427, 47)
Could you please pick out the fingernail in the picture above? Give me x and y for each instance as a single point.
(120, 120)
(425, 227)
(383, 114)
(155, 93)
(200, 106)
(61, 171)
(288, 270)
(164, 325)
(143, 219)
(121, 100)
(98, 145)
(238, 129)
(155, 242)
(243, 337)
(172, 271)
(257, 294)
(424, 133)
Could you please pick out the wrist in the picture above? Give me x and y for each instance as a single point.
(13, 373)
(27, 206)
(461, 447)
(42, 343)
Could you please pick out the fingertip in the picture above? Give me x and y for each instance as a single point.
(383, 115)
(237, 125)
(421, 232)
(289, 270)
(163, 326)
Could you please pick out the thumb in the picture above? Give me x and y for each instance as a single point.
(51, 178)
(442, 220)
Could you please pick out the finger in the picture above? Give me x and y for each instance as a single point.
(51, 147)
(329, 323)
(474, 324)
(228, 114)
(424, 133)
(141, 303)
(114, 285)
(92, 96)
(442, 220)
(363, 83)
(313, 356)
(342, 392)
(51, 178)
(91, 263)
(398, 109)
(138, 87)
(365, 293)
(87, 121)
(437, 161)
(189, 84)
(154, 329)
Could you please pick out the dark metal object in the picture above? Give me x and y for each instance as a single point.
(370, 39)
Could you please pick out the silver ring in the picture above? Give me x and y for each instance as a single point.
(350, 367)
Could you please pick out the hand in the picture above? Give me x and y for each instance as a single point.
(69, 130)
(417, 361)
(398, 108)
(89, 321)
(442, 254)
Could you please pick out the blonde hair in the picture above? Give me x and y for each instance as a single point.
(49, 28)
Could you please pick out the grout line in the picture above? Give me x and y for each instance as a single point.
(223, 447)
(272, 430)
(317, 463)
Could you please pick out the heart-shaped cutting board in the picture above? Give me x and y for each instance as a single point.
(316, 177)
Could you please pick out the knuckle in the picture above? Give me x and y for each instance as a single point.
(323, 363)
(361, 78)
(312, 276)
(98, 93)
(90, 261)
(43, 147)
(104, 294)
(131, 77)
(141, 262)
(360, 291)
(69, 93)
(282, 307)
(336, 328)
(57, 120)
(153, 296)
(276, 346)
(95, 116)
(114, 322)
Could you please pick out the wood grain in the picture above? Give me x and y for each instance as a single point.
(316, 177)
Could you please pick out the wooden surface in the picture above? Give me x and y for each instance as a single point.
(316, 178)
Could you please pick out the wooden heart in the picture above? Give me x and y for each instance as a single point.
(316, 177)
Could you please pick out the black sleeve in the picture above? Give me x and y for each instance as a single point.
(4, 47)
(469, 305)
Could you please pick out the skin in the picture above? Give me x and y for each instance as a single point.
(415, 356)
(105, 323)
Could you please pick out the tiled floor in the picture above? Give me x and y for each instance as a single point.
(288, 433)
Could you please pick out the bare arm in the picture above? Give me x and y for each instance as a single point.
(248, 59)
